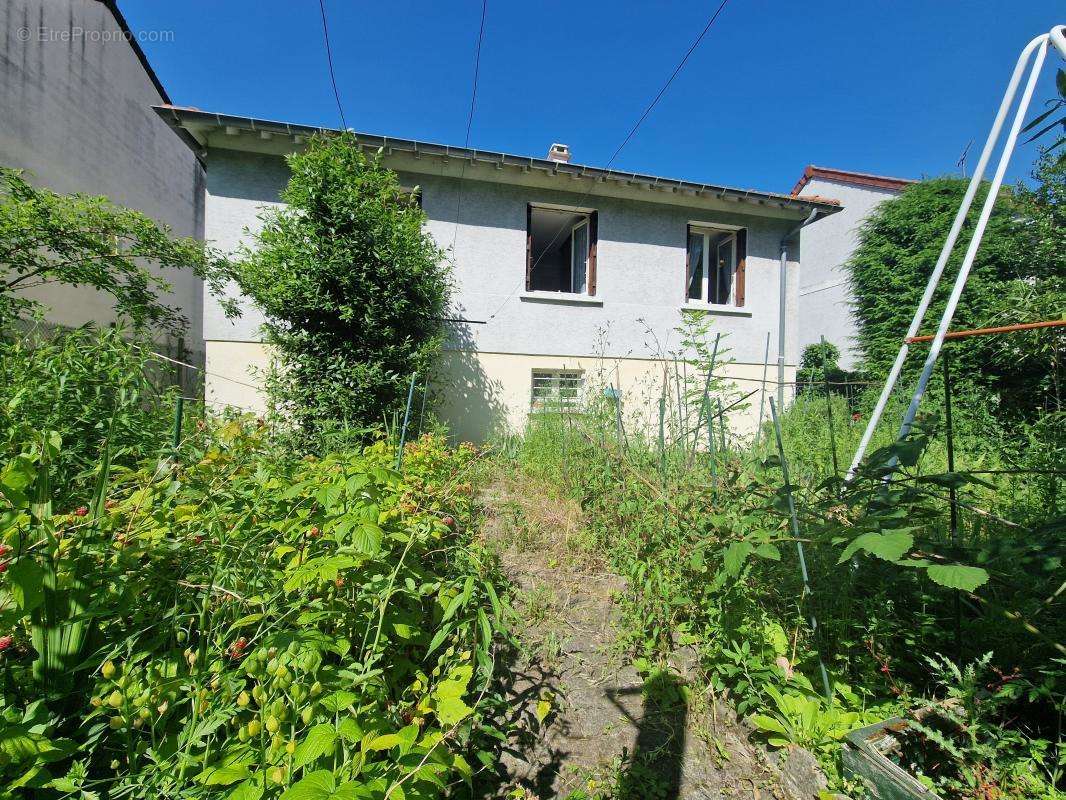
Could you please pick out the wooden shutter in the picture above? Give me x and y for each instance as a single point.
(529, 247)
(742, 257)
(688, 264)
(594, 237)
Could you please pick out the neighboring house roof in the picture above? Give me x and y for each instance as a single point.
(854, 178)
(202, 125)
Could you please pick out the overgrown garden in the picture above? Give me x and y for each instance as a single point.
(928, 588)
(207, 605)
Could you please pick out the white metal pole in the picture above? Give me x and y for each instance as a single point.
(975, 242)
(945, 254)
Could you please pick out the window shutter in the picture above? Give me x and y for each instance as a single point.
(688, 264)
(594, 236)
(529, 247)
(742, 258)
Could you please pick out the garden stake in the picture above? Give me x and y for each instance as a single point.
(952, 499)
(618, 417)
(707, 389)
(710, 442)
(422, 413)
(680, 421)
(829, 409)
(721, 422)
(762, 389)
(662, 430)
(406, 419)
(179, 411)
(794, 519)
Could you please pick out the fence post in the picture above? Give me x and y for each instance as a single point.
(794, 520)
(406, 419)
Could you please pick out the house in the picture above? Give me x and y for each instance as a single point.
(77, 94)
(563, 271)
(824, 293)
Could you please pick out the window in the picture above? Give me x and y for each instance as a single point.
(715, 266)
(556, 390)
(560, 250)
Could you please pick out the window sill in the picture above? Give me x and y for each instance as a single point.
(709, 308)
(563, 298)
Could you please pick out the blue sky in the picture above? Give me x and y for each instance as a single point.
(896, 87)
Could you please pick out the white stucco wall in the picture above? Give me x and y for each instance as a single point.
(77, 115)
(632, 319)
(824, 293)
(641, 266)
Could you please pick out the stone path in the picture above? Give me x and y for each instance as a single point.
(608, 732)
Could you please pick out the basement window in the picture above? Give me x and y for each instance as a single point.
(715, 266)
(556, 390)
(560, 250)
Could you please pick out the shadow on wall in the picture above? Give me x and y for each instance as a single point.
(466, 398)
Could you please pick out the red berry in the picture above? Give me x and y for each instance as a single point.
(6, 642)
(449, 521)
(4, 565)
(314, 533)
(5, 549)
(81, 511)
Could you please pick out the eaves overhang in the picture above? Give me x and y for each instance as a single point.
(225, 131)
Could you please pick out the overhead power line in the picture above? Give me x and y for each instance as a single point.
(470, 119)
(629, 136)
(329, 60)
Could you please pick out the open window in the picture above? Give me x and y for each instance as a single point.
(560, 250)
(715, 266)
(556, 390)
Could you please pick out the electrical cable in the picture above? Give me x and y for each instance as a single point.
(629, 136)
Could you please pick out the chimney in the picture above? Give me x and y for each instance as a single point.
(559, 153)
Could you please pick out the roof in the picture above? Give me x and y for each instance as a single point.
(854, 178)
(224, 130)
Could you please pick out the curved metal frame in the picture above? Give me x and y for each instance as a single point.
(1039, 46)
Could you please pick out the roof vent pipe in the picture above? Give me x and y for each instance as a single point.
(559, 153)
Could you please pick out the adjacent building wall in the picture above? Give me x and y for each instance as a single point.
(824, 290)
(631, 320)
(76, 114)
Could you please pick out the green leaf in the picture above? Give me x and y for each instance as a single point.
(452, 710)
(319, 741)
(768, 550)
(735, 556)
(338, 701)
(27, 584)
(321, 785)
(889, 546)
(367, 538)
(544, 708)
(957, 576)
(769, 724)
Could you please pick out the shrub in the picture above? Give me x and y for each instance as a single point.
(353, 289)
(1016, 277)
(85, 385)
(79, 240)
(244, 626)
